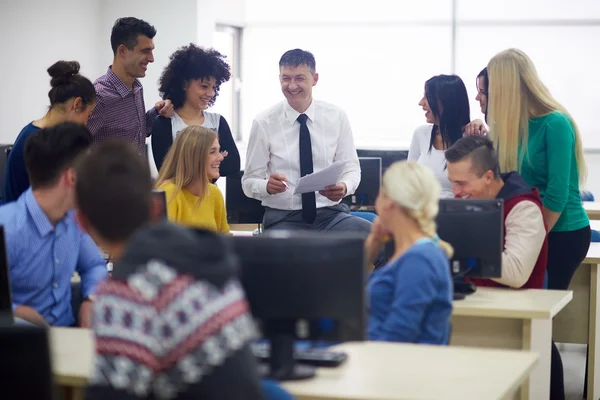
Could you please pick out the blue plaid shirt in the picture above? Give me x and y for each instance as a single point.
(42, 259)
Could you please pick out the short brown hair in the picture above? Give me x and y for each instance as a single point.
(480, 150)
(51, 151)
(114, 189)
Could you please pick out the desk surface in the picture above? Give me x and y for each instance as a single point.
(243, 227)
(72, 352)
(508, 303)
(592, 208)
(385, 371)
(593, 254)
(373, 370)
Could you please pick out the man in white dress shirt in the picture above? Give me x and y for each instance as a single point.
(296, 137)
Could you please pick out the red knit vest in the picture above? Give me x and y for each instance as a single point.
(536, 280)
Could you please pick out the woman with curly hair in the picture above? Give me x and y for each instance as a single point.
(191, 81)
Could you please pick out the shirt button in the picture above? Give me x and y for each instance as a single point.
(55, 285)
(57, 260)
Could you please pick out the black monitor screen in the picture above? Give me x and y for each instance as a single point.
(474, 228)
(160, 198)
(5, 292)
(370, 183)
(298, 275)
(388, 157)
(25, 367)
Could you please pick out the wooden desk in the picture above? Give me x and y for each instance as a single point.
(243, 227)
(511, 319)
(373, 371)
(385, 371)
(592, 208)
(579, 323)
(72, 351)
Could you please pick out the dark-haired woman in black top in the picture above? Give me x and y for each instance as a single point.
(191, 81)
(72, 98)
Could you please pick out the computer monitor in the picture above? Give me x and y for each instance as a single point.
(370, 183)
(5, 291)
(474, 228)
(303, 285)
(388, 157)
(160, 197)
(25, 367)
(240, 208)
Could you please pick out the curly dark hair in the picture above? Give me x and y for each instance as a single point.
(189, 63)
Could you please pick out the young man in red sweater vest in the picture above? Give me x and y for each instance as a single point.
(474, 172)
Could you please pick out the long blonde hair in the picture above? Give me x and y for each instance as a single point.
(185, 163)
(415, 189)
(516, 94)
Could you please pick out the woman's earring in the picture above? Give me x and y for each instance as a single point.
(77, 110)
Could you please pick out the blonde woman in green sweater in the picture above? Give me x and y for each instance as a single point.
(536, 136)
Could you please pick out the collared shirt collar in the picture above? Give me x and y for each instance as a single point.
(119, 85)
(39, 217)
(292, 115)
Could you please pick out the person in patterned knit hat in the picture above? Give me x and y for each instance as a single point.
(173, 321)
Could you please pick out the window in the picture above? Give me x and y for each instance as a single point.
(377, 83)
(374, 60)
(227, 40)
(564, 57)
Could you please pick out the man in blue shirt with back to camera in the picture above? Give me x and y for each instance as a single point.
(44, 243)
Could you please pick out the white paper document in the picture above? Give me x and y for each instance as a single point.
(321, 179)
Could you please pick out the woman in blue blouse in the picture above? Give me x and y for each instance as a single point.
(72, 99)
(411, 296)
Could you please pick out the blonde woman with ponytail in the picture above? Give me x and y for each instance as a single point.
(410, 298)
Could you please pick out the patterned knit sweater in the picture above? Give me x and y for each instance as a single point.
(173, 322)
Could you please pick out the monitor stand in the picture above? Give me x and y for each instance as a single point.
(462, 289)
(282, 365)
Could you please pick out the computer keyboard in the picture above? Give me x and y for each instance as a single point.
(315, 357)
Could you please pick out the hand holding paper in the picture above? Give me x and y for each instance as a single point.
(334, 192)
(318, 181)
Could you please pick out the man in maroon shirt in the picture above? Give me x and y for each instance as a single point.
(120, 111)
(474, 172)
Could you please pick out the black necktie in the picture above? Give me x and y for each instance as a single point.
(309, 202)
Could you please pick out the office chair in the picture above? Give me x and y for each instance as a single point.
(240, 208)
(6, 148)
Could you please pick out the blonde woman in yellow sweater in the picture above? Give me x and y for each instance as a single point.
(186, 173)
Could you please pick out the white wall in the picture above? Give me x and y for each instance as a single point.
(592, 158)
(212, 12)
(175, 25)
(31, 42)
(80, 30)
